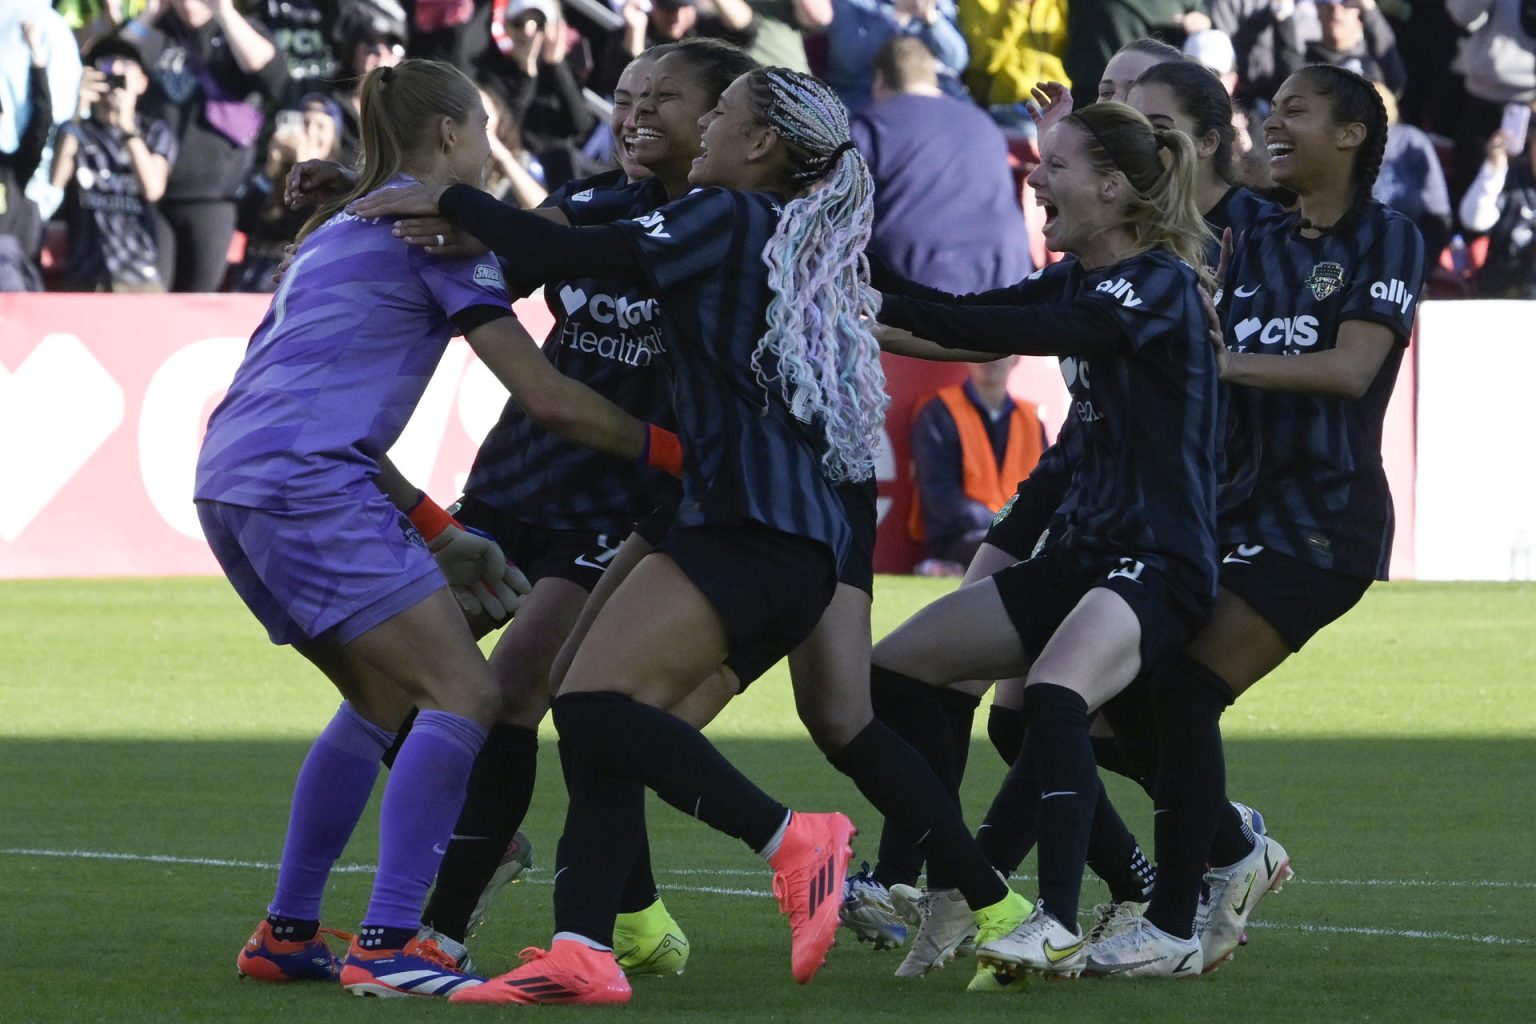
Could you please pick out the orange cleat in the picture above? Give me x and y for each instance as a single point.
(566, 974)
(270, 959)
(808, 872)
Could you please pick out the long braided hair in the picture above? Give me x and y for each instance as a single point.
(1354, 100)
(826, 361)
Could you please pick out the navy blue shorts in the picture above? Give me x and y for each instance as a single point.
(1041, 592)
(768, 587)
(580, 556)
(1295, 597)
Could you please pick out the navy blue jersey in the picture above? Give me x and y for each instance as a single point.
(607, 335)
(745, 457)
(1144, 401)
(1240, 209)
(1321, 494)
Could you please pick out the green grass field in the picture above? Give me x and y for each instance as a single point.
(149, 737)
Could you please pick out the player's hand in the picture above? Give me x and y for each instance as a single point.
(439, 237)
(407, 201)
(289, 252)
(315, 181)
(1224, 261)
(1052, 102)
(1217, 337)
(477, 565)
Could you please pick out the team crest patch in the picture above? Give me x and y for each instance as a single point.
(1325, 280)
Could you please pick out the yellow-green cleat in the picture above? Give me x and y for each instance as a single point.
(649, 941)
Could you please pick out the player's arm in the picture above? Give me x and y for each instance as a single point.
(904, 343)
(1344, 371)
(1078, 327)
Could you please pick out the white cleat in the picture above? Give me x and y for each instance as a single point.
(1233, 893)
(1109, 918)
(1042, 945)
(1140, 949)
(517, 859)
(457, 950)
(945, 922)
(868, 912)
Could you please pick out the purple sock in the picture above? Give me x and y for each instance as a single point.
(332, 789)
(421, 802)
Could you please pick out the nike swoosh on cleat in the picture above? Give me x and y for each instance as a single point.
(1183, 965)
(1269, 868)
(1242, 904)
(1095, 967)
(1056, 956)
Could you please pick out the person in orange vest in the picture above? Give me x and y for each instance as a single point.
(971, 445)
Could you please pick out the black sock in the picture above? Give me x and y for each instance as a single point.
(499, 791)
(1234, 840)
(640, 884)
(1114, 855)
(1133, 750)
(1005, 728)
(894, 778)
(1011, 827)
(1069, 786)
(378, 937)
(292, 929)
(910, 709)
(960, 711)
(628, 739)
(388, 757)
(604, 830)
(1191, 788)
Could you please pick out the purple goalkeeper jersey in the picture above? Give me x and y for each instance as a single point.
(338, 364)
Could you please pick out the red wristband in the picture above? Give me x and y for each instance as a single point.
(430, 518)
(663, 450)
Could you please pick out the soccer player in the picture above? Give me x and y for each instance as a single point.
(1320, 303)
(287, 496)
(773, 135)
(1124, 572)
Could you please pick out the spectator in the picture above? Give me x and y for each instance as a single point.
(1257, 29)
(304, 31)
(861, 27)
(780, 27)
(456, 31)
(536, 79)
(311, 131)
(511, 175)
(650, 22)
(367, 36)
(1498, 65)
(62, 58)
(1502, 202)
(1411, 181)
(113, 164)
(94, 20)
(1097, 31)
(211, 72)
(1354, 35)
(971, 445)
(21, 226)
(946, 210)
(1014, 44)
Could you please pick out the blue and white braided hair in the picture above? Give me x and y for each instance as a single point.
(822, 352)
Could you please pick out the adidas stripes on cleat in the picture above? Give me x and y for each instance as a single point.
(1233, 893)
(421, 968)
(649, 941)
(808, 871)
(568, 973)
(868, 913)
(517, 859)
(268, 958)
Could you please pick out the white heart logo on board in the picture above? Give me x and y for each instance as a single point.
(56, 409)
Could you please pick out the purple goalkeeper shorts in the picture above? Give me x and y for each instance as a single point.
(328, 571)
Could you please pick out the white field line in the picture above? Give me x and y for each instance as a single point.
(1314, 929)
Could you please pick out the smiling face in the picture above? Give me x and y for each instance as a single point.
(1070, 190)
(631, 83)
(1305, 144)
(1122, 70)
(732, 140)
(662, 129)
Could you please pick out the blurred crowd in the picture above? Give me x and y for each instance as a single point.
(143, 142)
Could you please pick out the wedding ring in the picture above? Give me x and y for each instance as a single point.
(441, 241)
